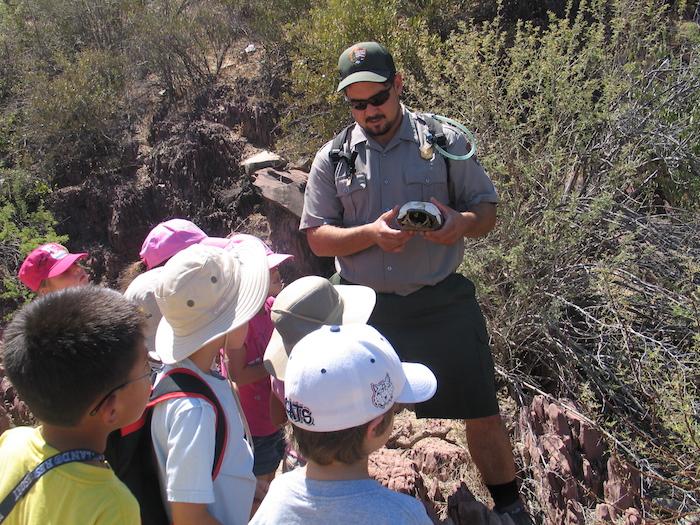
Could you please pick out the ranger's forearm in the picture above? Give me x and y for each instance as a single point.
(334, 241)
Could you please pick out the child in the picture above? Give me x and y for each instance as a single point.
(162, 242)
(77, 358)
(207, 295)
(142, 292)
(246, 369)
(307, 304)
(302, 307)
(341, 386)
(50, 267)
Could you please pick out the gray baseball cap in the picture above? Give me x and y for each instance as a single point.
(365, 62)
(307, 304)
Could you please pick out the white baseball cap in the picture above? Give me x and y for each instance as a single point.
(340, 377)
(306, 304)
(205, 292)
(142, 292)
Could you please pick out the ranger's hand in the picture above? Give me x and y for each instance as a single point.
(476, 222)
(387, 238)
(453, 229)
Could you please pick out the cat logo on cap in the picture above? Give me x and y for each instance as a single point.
(357, 54)
(383, 393)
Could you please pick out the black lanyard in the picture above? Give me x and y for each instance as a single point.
(28, 481)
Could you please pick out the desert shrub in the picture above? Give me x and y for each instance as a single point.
(24, 224)
(187, 43)
(314, 111)
(74, 120)
(589, 128)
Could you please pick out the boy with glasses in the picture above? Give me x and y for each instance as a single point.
(77, 358)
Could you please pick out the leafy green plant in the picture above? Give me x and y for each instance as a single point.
(24, 224)
(74, 119)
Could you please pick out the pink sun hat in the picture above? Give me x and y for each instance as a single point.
(273, 259)
(168, 238)
(44, 262)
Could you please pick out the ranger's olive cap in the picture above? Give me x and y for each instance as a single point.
(365, 62)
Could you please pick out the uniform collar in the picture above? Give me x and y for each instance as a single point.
(406, 131)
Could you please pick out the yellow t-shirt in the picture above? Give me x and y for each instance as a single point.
(74, 493)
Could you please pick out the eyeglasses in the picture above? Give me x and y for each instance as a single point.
(148, 374)
(377, 100)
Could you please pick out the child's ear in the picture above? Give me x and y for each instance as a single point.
(108, 411)
(372, 428)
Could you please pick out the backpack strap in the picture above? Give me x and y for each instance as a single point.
(436, 135)
(436, 130)
(182, 383)
(340, 150)
(27, 482)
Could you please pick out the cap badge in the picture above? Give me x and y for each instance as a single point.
(382, 393)
(357, 55)
(298, 413)
(56, 252)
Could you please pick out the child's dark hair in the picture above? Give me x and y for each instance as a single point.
(64, 350)
(344, 445)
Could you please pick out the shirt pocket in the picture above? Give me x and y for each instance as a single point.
(426, 180)
(352, 192)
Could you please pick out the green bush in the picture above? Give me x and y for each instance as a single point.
(24, 225)
(314, 111)
(74, 119)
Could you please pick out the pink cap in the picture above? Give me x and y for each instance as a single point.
(46, 261)
(219, 242)
(273, 259)
(168, 238)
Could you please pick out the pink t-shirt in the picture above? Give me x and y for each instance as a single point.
(255, 397)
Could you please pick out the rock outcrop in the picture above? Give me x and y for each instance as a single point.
(283, 195)
(573, 468)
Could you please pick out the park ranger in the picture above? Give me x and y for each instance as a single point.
(357, 185)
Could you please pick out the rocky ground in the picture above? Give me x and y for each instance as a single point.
(569, 475)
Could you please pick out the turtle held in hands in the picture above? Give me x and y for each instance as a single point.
(419, 216)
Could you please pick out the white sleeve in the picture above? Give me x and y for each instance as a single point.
(191, 439)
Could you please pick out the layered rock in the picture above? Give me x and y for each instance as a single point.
(573, 468)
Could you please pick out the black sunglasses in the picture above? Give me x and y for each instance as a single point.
(376, 100)
(148, 374)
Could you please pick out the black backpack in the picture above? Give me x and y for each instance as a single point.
(130, 449)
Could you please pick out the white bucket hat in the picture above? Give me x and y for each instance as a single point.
(340, 377)
(304, 306)
(142, 292)
(205, 292)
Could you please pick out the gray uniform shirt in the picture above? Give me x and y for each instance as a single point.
(386, 177)
(295, 500)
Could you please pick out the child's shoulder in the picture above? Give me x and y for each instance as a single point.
(17, 442)
(412, 508)
(90, 494)
(85, 491)
(18, 435)
(192, 411)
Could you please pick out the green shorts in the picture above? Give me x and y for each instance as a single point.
(442, 327)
